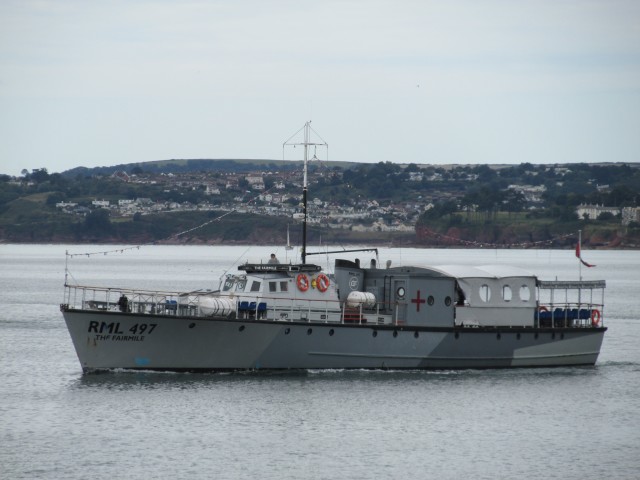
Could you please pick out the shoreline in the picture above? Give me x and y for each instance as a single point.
(334, 245)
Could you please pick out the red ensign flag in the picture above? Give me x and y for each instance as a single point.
(580, 258)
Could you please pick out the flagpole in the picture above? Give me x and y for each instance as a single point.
(580, 267)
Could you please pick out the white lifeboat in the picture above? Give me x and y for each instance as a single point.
(364, 299)
(216, 306)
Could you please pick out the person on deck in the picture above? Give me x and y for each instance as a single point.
(273, 259)
(123, 303)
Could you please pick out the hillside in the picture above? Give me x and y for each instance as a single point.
(253, 201)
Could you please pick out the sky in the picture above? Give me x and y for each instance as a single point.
(100, 83)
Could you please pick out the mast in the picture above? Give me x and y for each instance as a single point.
(306, 143)
(303, 252)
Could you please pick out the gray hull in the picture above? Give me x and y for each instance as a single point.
(113, 340)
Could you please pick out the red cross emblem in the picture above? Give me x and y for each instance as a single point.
(418, 301)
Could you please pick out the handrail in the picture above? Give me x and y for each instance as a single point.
(571, 284)
(157, 301)
(272, 308)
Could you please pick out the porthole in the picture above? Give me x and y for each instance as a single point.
(506, 293)
(430, 300)
(374, 333)
(395, 333)
(553, 336)
(400, 292)
(331, 332)
(562, 336)
(518, 336)
(191, 325)
(241, 329)
(485, 292)
(310, 331)
(498, 336)
(416, 334)
(525, 293)
(457, 336)
(447, 301)
(536, 336)
(287, 331)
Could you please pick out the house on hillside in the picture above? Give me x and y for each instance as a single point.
(594, 211)
(630, 214)
(257, 183)
(100, 203)
(121, 175)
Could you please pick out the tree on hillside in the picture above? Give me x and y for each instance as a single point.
(438, 211)
(98, 223)
(38, 175)
(622, 196)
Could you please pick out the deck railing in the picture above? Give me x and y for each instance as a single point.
(188, 304)
(551, 312)
(563, 304)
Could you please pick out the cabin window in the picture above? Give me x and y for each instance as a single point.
(284, 286)
(255, 286)
(525, 293)
(430, 300)
(506, 293)
(485, 293)
(273, 286)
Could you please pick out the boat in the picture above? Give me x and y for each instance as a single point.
(362, 315)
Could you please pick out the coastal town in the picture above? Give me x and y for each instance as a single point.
(421, 204)
(273, 193)
(245, 194)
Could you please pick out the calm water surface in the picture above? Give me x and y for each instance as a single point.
(55, 422)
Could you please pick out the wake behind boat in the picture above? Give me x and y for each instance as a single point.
(297, 316)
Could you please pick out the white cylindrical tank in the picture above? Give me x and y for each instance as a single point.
(366, 299)
(216, 306)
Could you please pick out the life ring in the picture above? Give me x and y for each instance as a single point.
(595, 317)
(322, 282)
(303, 282)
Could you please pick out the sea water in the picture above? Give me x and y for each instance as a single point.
(56, 423)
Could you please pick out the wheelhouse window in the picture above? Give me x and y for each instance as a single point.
(228, 284)
(284, 286)
(234, 283)
(525, 293)
(255, 286)
(273, 287)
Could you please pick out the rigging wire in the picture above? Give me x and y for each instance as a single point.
(235, 262)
